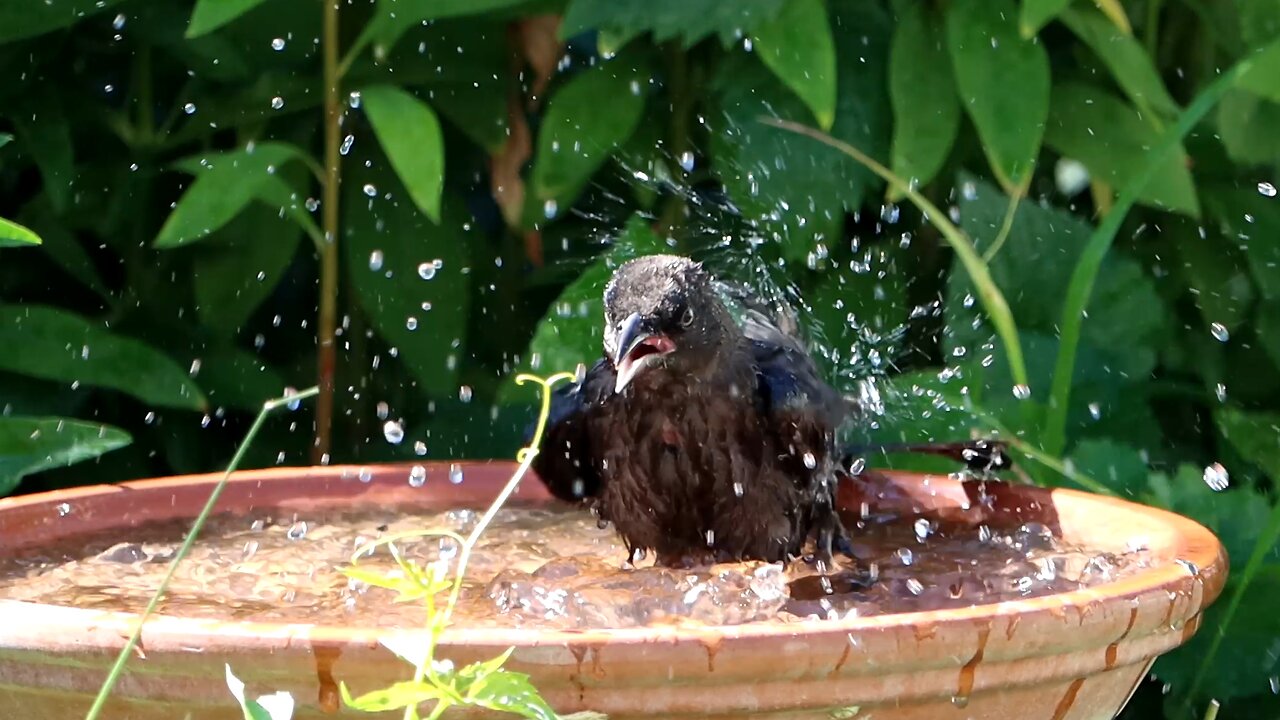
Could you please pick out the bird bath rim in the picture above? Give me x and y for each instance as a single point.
(1197, 557)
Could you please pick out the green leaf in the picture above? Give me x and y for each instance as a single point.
(209, 15)
(1125, 57)
(1036, 14)
(1267, 324)
(29, 445)
(396, 697)
(63, 246)
(390, 246)
(14, 235)
(225, 184)
(1246, 123)
(572, 331)
(587, 120)
(411, 138)
(1112, 139)
(1249, 221)
(1253, 434)
(1216, 273)
(57, 345)
(1263, 76)
(793, 188)
(43, 129)
(1003, 81)
(19, 19)
(926, 108)
(236, 378)
(687, 20)
(1259, 22)
(509, 692)
(268, 707)
(393, 18)
(1115, 465)
(797, 47)
(5, 139)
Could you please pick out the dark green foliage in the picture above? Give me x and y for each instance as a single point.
(162, 227)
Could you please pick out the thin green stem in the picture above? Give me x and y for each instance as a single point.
(992, 299)
(1005, 227)
(326, 355)
(118, 668)
(1086, 271)
(1212, 712)
(1151, 28)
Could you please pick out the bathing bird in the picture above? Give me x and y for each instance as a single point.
(698, 436)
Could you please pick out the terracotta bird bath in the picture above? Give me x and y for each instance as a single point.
(1070, 656)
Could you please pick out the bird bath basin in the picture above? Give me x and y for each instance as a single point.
(1073, 655)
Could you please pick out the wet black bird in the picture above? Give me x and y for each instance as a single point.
(698, 437)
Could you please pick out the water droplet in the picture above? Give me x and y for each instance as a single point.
(549, 209)
(915, 586)
(312, 204)
(857, 466)
(118, 22)
(686, 161)
(370, 190)
(393, 432)
(1267, 189)
(375, 260)
(294, 403)
(149, 418)
(747, 44)
(195, 368)
(810, 461)
(738, 489)
(353, 100)
(189, 108)
(426, 271)
(1219, 332)
(64, 509)
(249, 550)
(297, 531)
(365, 475)
(419, 448)
(417, 476)
(1220, 392)
(1215, 476)
(464, 393)
(1095, 410)
(923, 529)
(411, 323)
(347, 142)
(277, 102)
(1022, 392)
(455, 474)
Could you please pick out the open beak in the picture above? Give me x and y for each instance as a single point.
(638, 348)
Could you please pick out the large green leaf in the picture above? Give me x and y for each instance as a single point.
(1003, 81)
(239, 267)
(1112, 140)
(688, 20)
(392, 251)
(1115, 465)
(209, 15)
(411, 139)
(29, 445)
(54, 344)
(1125, 57)
(926, 108)
(14, 235)
(1035, 14)
(587, 120)
(1216, 273)
(225, 184)
(1246, 123)
(236, 378)
(393, 18)
(797, 47)
(43, 130)
(61, 245)
(1250, 221)
(20, 19)
(1263, 76)
(794, 188)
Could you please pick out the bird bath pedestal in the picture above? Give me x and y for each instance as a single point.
(1069, 656)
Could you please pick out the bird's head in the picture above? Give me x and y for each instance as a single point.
(663, 311)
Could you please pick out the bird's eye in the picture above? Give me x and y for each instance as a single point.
(686, 319)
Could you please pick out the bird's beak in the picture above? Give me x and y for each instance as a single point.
(638, 347)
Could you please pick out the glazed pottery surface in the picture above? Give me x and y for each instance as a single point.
(1070, 656)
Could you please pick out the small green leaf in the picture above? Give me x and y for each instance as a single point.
(1111, 138)
(14, 235)
(926, 108)
(225, 184)
(1125, 57)
(268, 707)
(396, 697)
(509, 692)
(53, 344)
(587, 120)
(393, 18)
(411, 138)
(5, 139)
(209, 15)
(19, 19)
(1036, 14)
(29, 445)
(1003, 81)
(797, 47)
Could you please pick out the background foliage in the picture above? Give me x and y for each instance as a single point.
(406, 201)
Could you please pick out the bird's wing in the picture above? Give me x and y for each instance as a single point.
(564, 460)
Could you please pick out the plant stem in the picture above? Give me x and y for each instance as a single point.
(118, 668)
(1005, 226)
(1086, 272)
(992, 299)
(326, 345)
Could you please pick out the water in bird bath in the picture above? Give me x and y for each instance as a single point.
(541, 567)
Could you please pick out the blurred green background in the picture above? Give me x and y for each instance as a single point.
(408, 201)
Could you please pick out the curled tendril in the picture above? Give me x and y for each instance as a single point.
(528, 452)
